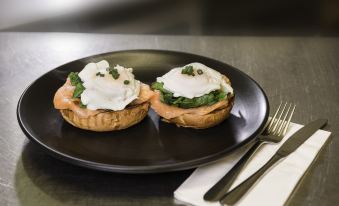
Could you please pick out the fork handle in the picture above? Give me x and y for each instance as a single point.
(234, 195)
(224, 184)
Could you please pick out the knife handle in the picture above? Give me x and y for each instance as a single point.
(234, 195)
(225, 183)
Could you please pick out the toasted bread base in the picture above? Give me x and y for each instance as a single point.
(202, 121)
(108, 120)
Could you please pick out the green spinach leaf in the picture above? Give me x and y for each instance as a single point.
(74, 77)
(79, 88)
(183, 102)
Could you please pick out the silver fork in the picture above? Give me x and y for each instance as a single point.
(274, 132)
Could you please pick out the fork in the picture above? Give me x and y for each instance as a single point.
(274, 132)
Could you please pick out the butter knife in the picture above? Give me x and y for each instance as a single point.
(286, 148)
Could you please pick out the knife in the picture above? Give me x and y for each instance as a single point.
(286, 148)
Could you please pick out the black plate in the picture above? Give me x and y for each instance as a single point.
(152, 145)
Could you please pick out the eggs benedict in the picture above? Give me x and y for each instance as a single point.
(103, 98)
(193, 96)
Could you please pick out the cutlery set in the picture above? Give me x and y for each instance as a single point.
(274, 132)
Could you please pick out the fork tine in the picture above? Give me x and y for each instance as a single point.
(278, 120)
(273, 118)
(282, 125)
(289, 120)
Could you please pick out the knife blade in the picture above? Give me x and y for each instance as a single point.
(300, 137)
(289, 146)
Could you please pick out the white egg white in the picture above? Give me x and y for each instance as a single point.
(183, 85)
(105, 92)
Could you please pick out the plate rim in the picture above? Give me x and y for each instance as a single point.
(141, 169)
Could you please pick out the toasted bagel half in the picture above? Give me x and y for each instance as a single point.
(199, 117)
(108, 120)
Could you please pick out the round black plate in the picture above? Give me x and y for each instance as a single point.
(152, 145)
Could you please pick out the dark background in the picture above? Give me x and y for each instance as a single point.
(201, 17)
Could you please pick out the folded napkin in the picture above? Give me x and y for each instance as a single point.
(273, 188)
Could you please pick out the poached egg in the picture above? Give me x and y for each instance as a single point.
(102, 91)
(204, 82)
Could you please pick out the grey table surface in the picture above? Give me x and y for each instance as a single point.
(296, 69)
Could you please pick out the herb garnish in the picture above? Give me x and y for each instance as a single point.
(99, 74)
(126, 82)
(114, 72)
(188, 70)
(183, 102)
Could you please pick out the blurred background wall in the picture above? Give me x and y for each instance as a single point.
(185, 17)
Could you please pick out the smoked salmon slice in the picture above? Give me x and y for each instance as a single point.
(169, 112)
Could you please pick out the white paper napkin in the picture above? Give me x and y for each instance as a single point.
(273, 188)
